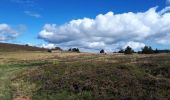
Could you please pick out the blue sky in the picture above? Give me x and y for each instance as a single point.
(27, 20)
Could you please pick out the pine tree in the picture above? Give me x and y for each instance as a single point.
(147, 50)
(128, 50)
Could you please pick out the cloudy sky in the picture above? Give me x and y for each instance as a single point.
(90, 25)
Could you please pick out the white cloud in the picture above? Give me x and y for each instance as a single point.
(48, 46)
(111, 30)
(165, 40)
(32, 14)
(7, 33)
(168, 1)
(134, 45)
(166, 9)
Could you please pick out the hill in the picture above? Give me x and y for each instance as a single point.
(6, 47)
(84, 76)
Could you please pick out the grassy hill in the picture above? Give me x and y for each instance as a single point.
(5, 47)
(84, 76)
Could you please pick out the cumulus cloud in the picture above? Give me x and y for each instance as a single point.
(134, 45)
(165, 40)
(163, 11)
(111, 30)
(32, 14)
(48, 46)
(7, 33)
(168, 1)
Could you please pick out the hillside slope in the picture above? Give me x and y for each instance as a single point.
(5, 47)
(95, 77)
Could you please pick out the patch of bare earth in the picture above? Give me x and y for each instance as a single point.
(23, 98)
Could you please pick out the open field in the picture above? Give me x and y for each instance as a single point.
(38, 75)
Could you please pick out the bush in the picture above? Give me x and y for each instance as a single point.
(102, 51)
(49, 50)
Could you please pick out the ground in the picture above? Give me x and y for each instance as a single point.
(39, 75)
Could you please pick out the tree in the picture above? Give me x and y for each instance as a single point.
(102, 51)
(147, 50)
(156, 51)
(70, 49)
(74, 50)
(128, 50)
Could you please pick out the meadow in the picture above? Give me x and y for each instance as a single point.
(39, 75)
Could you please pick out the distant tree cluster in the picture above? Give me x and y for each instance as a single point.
(57, 48)
(74, 50)
(26, 45)
(163, 51)
(127, 50)
(149, 50)
(145, 50)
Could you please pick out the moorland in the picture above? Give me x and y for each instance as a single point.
(35, 74)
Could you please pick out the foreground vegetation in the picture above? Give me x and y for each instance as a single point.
(82, 76)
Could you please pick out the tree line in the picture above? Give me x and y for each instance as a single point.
(127, 50)
(69, 50)
(145, 50)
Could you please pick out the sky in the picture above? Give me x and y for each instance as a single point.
(90, 25)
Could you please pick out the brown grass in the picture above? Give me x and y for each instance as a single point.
(94, 76)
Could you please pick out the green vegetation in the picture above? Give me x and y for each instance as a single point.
(74, 50)
(83, 76)
(147, 50)
(129, 50)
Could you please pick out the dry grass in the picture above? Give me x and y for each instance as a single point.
(8, 57)
(84, 76)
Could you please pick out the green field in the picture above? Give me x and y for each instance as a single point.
(83, 76)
